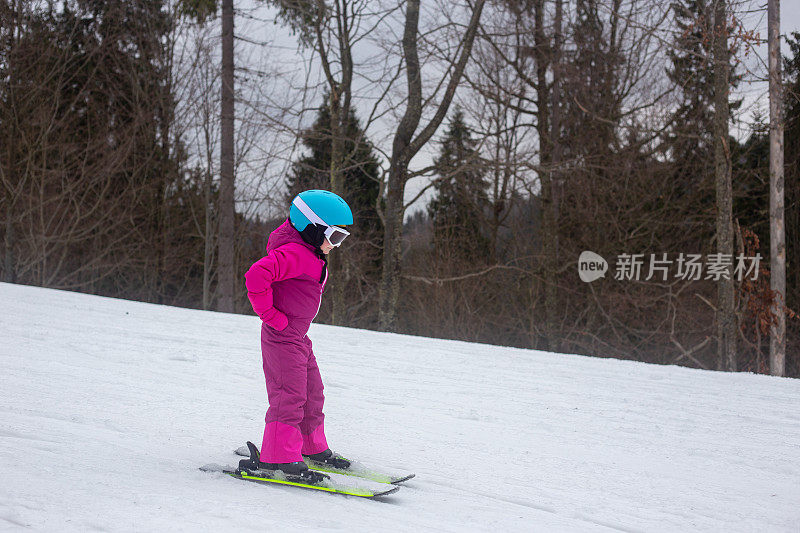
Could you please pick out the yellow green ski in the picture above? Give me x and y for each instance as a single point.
(325, 486)
(356, 470)
(252, 469)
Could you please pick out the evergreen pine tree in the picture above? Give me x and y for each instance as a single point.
(690, 139)
(458, 209)
(93, 106)
(360, 253)
(791, 95)
(362, 169)
(750, 167)
(592, 82)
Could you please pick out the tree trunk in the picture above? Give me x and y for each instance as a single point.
(777, 235)
(339, 105)
(405, 146)
(226, 270)
(555, 123)
(10, 179)
(208, 245)
(390, 276)
(336, 261)
(726, 316)
(9, 261)
(549, 227)
(8, 251)
(554, 336)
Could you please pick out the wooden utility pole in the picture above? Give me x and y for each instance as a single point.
(226, 273)
(777, 235)
(726, 316)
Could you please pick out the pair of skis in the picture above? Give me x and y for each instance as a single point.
(356, 480)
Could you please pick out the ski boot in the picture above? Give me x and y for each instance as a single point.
(297, 471)
(328, 458)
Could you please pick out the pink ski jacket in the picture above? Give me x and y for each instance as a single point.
(284, 286)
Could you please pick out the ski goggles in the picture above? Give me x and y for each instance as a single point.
(334, 234)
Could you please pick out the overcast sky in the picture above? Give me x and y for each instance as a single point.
(253, 23)
(755, 92)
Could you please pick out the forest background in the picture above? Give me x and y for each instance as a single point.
(482, 145)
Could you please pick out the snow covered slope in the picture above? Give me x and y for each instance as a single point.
(108, 407)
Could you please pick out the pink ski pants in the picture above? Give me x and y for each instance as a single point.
(294, 421)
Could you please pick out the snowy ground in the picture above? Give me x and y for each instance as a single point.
(108, 407)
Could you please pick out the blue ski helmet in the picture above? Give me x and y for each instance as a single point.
(331, 209)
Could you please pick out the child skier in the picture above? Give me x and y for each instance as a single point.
(285, 289)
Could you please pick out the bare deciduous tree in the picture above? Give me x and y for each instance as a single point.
(406, 144)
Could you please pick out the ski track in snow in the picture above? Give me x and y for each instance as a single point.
(109, 407)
